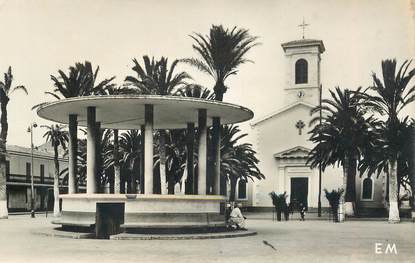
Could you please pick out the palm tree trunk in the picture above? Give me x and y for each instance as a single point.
(3, 139)
(350, 201)
(135, 178)
(162, 152)
(393, 192)
(342, 207)
(56, 210)
(3, 186)
(387, 189)
(117, 169)
(412, 171)
(171, 183)
(3, 120)
(233, 189)
(219, 89)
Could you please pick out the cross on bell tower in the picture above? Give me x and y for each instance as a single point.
(303, 25)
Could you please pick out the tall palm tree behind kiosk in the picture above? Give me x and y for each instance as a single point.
(221, 53)
(157, 78)
(113, 90)
(6, 90)
(391, 96)
(238, 160)
(58, 138)
(80, 81)
(412, 166)
(130, 158)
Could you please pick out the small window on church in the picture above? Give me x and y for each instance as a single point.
(367, 189)
(301, 71)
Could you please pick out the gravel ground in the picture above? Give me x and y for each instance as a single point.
(292, 241)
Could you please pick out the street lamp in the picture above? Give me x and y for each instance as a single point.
(32, 188)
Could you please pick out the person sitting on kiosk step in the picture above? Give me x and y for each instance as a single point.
(236, 218)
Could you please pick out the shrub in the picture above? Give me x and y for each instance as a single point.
(279, 202)
(334, 199)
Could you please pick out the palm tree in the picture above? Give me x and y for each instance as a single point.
(130, 149)
(175, 157)
(375, 159)
(405, 158)
(238, 161)
(157, 78)
(280, 202)
(120, 90)
(221, 53)
(105, 160)
(390, 97)
(199, 92)
(6, 90)
(412, 166)
(341, 137)
(81, 167)
(196, 91)
(81, 81)
(58, 138)
(334, 200)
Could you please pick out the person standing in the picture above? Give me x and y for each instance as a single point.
(302, 211)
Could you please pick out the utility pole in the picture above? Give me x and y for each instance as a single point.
(32, 187)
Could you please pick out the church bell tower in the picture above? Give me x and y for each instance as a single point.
(303, 70)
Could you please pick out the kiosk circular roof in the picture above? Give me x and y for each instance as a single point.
(127, 111)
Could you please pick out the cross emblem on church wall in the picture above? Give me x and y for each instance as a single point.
(300, 125)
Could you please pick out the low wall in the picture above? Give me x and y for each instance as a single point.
(146, 211)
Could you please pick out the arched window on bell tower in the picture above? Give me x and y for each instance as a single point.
(301, 71)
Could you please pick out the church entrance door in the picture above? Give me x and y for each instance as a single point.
(299, 191)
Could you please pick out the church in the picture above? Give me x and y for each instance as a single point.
(282, 140)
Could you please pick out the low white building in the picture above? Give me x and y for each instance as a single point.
(18, 177)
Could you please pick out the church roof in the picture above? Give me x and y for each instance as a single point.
(304, 43)
(296, 152)
(281, 110)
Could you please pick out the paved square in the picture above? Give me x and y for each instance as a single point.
(294, 241)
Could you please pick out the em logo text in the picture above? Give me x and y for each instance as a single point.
(388, 248)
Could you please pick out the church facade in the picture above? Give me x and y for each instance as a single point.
(282, 140)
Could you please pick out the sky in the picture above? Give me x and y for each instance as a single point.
(40, 37)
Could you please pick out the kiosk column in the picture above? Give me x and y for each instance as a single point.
(191, 183)
(216, 137)
(91, 159)
(202, 159)
(73, 148)
(148, 148)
